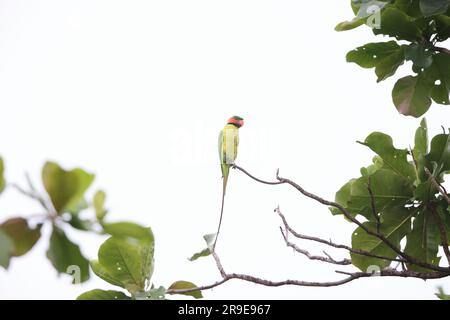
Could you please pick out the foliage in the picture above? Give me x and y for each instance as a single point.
(422, 24)
(396, 196)
(62, 204)
(126, 260)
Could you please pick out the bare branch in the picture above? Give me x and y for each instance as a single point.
(442, 50)
(254, 178)
(336, 205)
(332, 244)
(351, 276)
(327, 259)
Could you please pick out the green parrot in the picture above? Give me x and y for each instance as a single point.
(228, 148)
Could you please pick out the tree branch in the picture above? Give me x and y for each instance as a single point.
(327, 259)
(442, 50)
(380, 236)
(332, 244)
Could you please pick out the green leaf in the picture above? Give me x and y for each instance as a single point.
(438, 76)
(395, 159)
(420, 55)
(411, 95)
(65, 188)
(396, 23)
(385, 57)
(410, 7)
(442, 27)
(396, 223)
(209, 239)
(377, 165)
(128, 229)
(441, 294)
(204, 253)
(440, 152)
(349, 25)
(421, 140)
(388, 188)
(98, 294)
(99, 205)
(2, 178)
(423, 242)
(80, 224)
(22, 236)
(64, 254)
(420, 150)
(363, 10)
(180, 285)
(154, 294)
(128, 257)
(101, 272)
(433, 7)
(6, 249)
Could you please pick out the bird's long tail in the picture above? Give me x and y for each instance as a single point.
(225, 171)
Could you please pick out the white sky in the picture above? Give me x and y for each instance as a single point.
(137, 91)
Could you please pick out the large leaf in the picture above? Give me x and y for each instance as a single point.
(423, 242)
(411, 95)
(433, 7)
(65, 188)
(443, 27)
(23, 237)
(395, 159)
(98, 294)
(438, 75)
(388, 189)
(385, 57)
(180, 285)
(103, 274)
(421, 149)
(420, 55)
(6, 249)
(397, 24)
(128, 229)
(66, 255)
(410, 7)
(128, 257)
(396, 223)
(440, 152)
(2, 178)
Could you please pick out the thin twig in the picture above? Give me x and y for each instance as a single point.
(442, 50)
(332, 244)
(327, 259)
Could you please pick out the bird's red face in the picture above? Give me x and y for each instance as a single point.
(237, 121)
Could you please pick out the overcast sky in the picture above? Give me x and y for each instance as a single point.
(137, 91)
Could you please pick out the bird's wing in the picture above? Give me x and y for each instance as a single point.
(220, 144)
